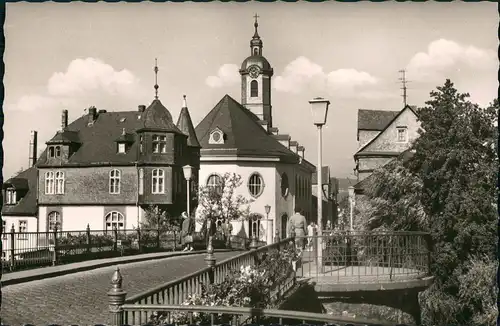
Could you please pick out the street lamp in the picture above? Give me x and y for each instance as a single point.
(188, 172)
(319, 109)
(268, 210)
(269, 235)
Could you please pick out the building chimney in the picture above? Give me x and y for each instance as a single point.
(142, 108)
(301, 151)
(64, 120)
(283, 139)
(293, 146)
(92, 114)
(33, 149)
(273, 130)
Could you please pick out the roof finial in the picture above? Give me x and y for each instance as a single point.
(256, 24)
(184, 104)
(123, 132)
(156, 78)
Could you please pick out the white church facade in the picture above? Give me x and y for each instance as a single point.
(242, 138)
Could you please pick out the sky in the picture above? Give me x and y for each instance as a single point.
(76, 55)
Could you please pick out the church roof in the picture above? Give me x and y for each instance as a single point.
(25, 181)
(185, 124)
(243, 135)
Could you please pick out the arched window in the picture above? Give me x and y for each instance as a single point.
(255, 51)
(158, 181)
(114, 181)
(255, 185)
(59, 182)
(254, 88)
(284, 185)
(51, 151)
(214, 183)
(11, 198)
(54, 219)
(114, 220)
(141, 181)
(49, 183)
(58, 151)
(254, 226)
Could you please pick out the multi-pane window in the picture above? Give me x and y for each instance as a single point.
(255, 185)
(59, 182)
(49, 183)
(254, 226)
(214, 183)
(22, 228)
(121, 148)
(159, 144)
(10, 195)
(54, 219)
(141, 181)
(254, 88)
(114, 220)
(158, 181)
(114, 181)
(58, 151)
(54, 151)
(402, 134)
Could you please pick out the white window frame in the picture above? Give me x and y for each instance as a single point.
(114, 181)
(254, 226)
(49, 183)
(109, 222)
(141, 181)
(159, 144)
(404, 131)
(57, 151)
(252, 183)
(21, 232)
(158, 181)
(10, 196)
(122, 148)
(214, 182)
(59, 182)
(54, 217)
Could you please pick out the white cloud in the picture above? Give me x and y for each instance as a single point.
(84, 79)
(227, 75)
(444, 55)
(302, 74)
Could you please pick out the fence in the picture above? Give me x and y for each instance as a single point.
(365, 257)
(35, 249)
(129, 310)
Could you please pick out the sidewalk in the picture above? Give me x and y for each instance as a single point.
(53, 271)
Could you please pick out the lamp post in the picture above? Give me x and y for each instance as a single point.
(319, 109)
(269, 236)
(188, 173)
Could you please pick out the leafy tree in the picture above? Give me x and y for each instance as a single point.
(456, 160)
(158, 219)
(221, 202)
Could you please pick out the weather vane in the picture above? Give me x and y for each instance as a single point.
(156, 78)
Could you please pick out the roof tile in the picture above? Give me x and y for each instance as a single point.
(374, 119)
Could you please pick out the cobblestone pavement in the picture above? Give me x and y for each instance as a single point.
(81, 299)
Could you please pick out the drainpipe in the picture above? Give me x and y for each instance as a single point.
(137, 192)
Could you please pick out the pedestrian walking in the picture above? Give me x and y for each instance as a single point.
(187, 232)
(227, 228)
(310, 234)
(298, 224)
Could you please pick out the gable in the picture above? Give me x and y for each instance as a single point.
(387, 140)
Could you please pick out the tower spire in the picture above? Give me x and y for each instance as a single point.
(156, 78)
(256, 42)
(404, 88)
(256, 25)
(184, 104)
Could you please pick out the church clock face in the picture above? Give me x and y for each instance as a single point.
(254, 71)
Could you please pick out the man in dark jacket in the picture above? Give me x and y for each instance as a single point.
(187, 232)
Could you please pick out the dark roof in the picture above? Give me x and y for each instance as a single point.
(185, 124)
(16, 183)
(157, 117)
(65, 137)
(325, 176)
(125, 137)
(375, 119)
(243, 134)
(27, 206)
(256, 60)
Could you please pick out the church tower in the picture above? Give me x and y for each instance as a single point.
(256, 73)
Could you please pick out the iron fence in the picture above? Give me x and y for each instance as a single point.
(365, 257)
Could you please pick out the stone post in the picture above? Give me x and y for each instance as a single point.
(89, 240)
(12, 248)
(210, 259)
(139, 246)
(54, 254)
(277, 236)
(116, 298)
(115, 235)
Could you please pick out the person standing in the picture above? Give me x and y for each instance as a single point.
(298, 224)
(228, 231)
(310, 234)
(187, 232)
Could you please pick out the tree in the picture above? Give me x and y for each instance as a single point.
(221, 202)
(158, 219)
(456, 160)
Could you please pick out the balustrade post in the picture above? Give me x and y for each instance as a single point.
(210, 260)
(139, 246)
(115, 235)
(89, 240)
(12, 248)
(54, 255)
(158, 237)
(116, 298)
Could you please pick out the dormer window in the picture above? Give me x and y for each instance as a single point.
(58, 151)
(402, 134)
(216, 137)
(10, 196)
(121, 148)
(159, 144)
(54, 151)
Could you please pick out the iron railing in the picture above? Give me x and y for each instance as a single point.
(365, 257)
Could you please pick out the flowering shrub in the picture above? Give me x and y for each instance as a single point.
(249, 286)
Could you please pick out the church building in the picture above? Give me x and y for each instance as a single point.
(242, 138)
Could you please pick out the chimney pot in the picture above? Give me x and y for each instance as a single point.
(142, 108)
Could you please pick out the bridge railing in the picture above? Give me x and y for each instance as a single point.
(176, 292)
(358, 257)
